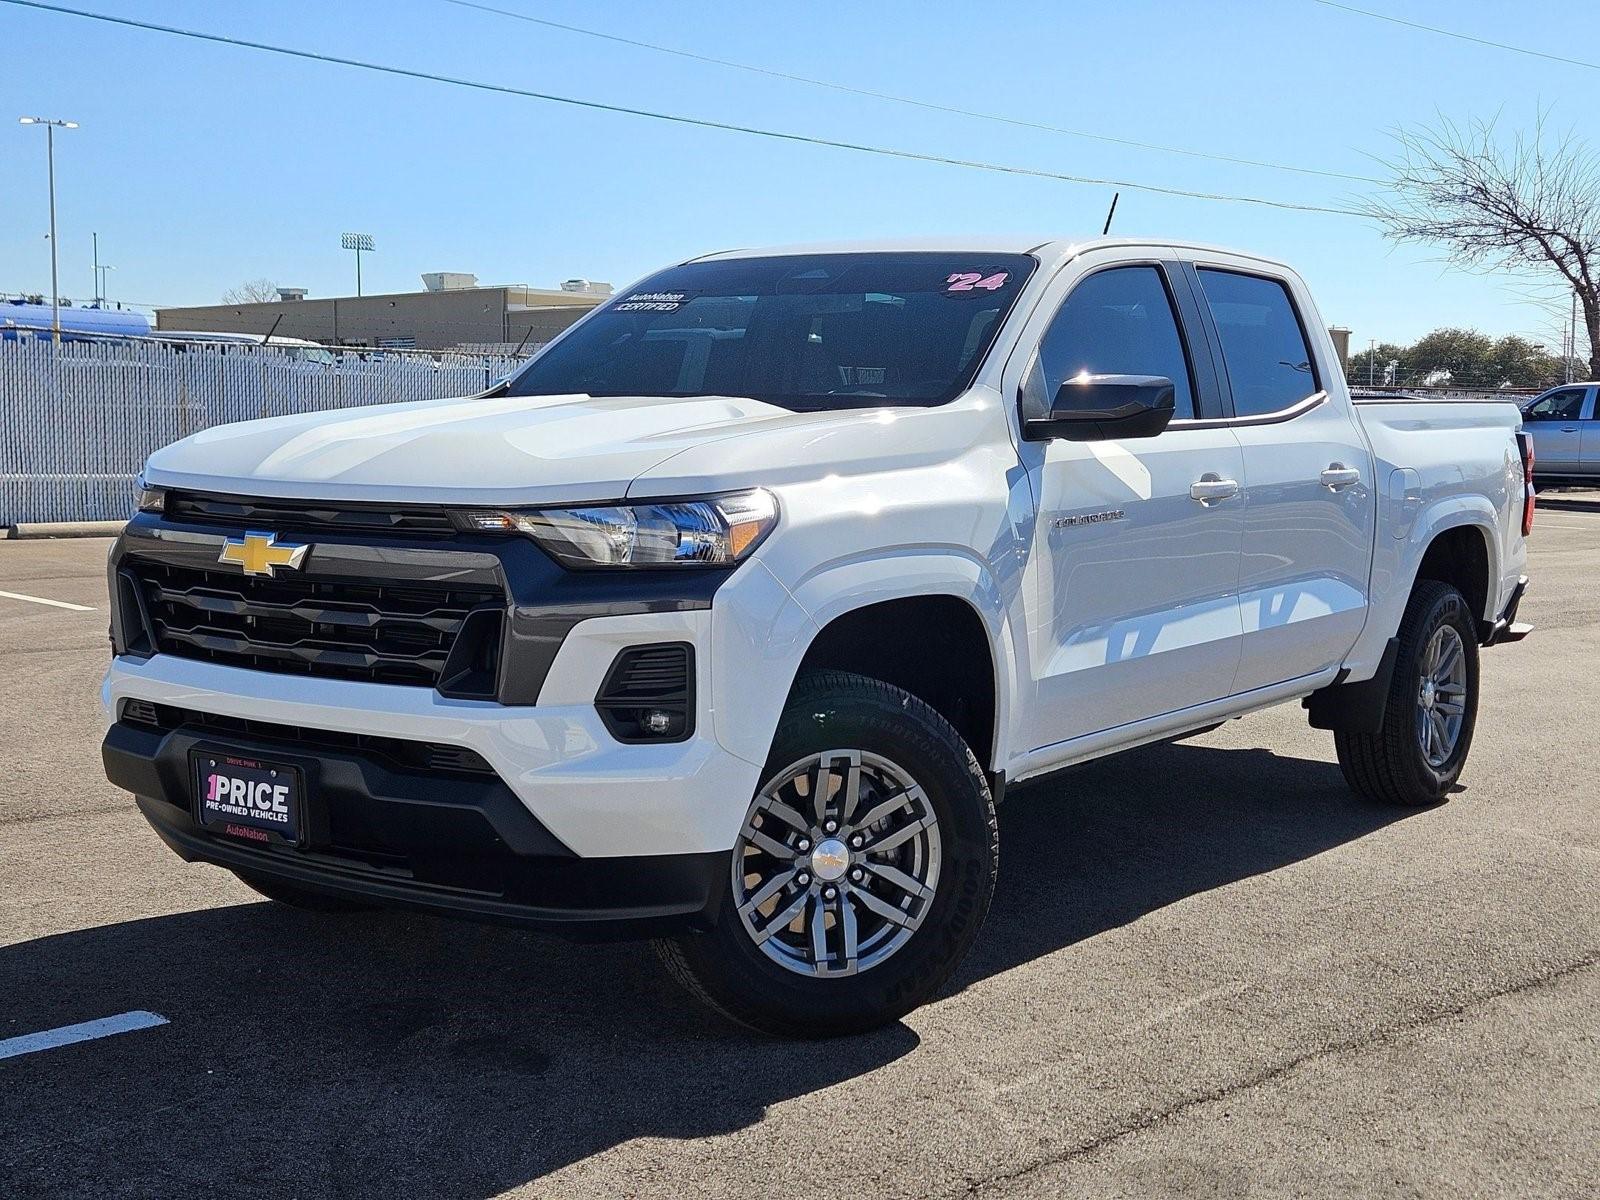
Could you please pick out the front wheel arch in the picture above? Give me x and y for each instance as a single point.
(936, 647)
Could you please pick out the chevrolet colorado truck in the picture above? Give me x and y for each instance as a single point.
(728, 619)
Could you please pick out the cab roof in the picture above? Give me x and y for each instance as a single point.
(1048, 249)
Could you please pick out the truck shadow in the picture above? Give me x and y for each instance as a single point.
(386, 1055)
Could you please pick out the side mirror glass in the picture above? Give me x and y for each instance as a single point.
(1092, 408)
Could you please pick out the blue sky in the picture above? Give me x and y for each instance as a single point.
(201, 165)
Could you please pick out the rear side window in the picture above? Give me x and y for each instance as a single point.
(1263, 343)
(1115, 322)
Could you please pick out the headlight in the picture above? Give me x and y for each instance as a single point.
(716, 531)
(150, 499)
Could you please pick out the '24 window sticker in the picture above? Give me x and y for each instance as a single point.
(665, 302)
(958, 282)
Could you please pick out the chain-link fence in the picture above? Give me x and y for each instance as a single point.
(78, 419)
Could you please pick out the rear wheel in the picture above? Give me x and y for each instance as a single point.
(1417, 754)
(298, 897)
(862, 872)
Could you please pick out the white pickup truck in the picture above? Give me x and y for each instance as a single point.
(729, 618)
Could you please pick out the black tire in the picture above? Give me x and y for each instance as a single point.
(832, 710)
(1389, 765)
(299, 897)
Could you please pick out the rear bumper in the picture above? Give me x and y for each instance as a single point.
(380, 832)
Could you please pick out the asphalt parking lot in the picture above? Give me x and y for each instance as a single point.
(1209, 971)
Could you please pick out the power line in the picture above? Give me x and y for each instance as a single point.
(1461, 37)
(907, 100)
(674, 118)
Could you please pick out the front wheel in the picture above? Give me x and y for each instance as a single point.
(1417, 754)
(862, 872)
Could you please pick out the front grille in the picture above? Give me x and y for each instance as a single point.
(378, 632)
(400, 752)
(237, 512)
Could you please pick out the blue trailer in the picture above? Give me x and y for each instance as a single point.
(23, 318)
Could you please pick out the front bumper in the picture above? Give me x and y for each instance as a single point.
(380, 831)
(541, 731)
(596, 796)
(610, 831)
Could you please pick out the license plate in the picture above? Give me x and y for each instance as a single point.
(246, 797)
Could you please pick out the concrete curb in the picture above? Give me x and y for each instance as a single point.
(62, 529)
(1561, 503)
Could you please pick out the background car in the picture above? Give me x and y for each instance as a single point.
(1565, 428)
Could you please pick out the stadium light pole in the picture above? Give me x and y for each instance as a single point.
(357, 242)
(50, 127)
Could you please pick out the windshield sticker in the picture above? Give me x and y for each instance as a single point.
(652, 302)
(972, 281)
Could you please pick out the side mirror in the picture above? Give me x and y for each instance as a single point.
(1093, 408)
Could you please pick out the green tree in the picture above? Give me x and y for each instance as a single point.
(1521, 363)
(1465, 354)
(1375, 365)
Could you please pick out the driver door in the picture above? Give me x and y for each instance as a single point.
(1133, 575)
(1552, 421)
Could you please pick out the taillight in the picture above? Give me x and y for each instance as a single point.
(1525, 448)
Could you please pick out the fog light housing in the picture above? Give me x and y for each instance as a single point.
(648, 694)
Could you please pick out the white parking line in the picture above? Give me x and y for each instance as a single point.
(51, 603)
(85, 1031)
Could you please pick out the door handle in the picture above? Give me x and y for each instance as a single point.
(1211, 488)
(1569, 429)
(1339, 476)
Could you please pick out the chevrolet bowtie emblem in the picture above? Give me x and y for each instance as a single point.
(261, 553)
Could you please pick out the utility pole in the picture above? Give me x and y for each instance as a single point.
(1572, 335)
(50, 127)
(1372, 359)
(99, 300)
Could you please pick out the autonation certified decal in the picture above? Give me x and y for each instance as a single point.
(651, 302)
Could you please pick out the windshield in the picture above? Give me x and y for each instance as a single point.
(807, 332)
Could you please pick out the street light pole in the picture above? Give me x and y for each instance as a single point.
(50, 127)
(357, 242)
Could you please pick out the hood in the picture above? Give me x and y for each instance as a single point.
(506, 450)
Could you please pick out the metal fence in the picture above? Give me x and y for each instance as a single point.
(78, 419)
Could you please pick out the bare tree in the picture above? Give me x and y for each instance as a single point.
(1528, 204)
(252, 291)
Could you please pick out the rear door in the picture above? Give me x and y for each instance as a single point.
(1132, 579)
(1554, 421)
(1589, 436)
(1309, 500)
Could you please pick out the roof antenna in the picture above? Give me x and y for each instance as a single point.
(1112, 213)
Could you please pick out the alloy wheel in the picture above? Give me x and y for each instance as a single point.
(1441, 695)
(837, 863)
